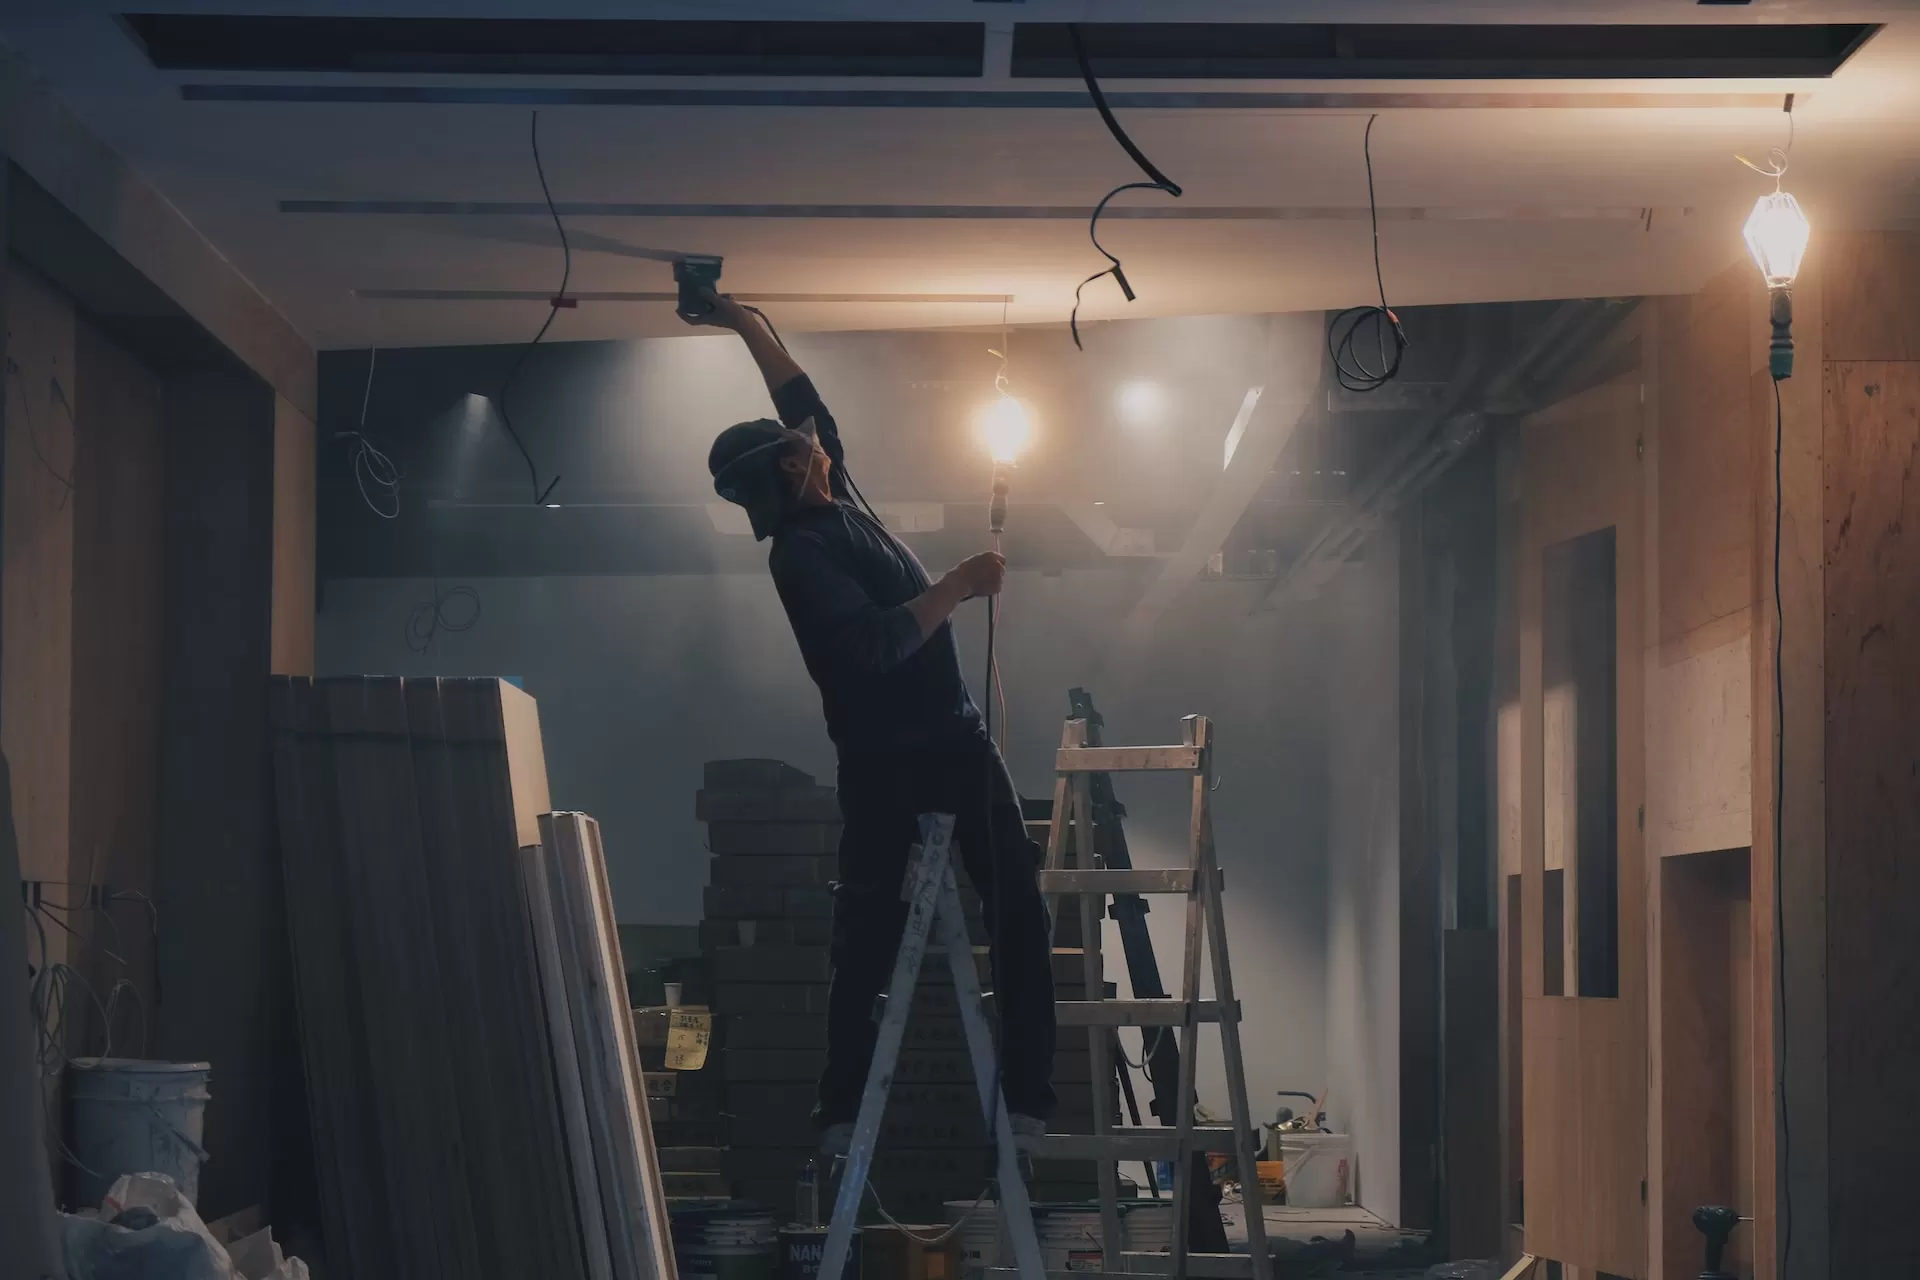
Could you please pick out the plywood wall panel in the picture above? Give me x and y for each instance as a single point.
(1584, 1060)
(1872, 311)
(118, 576)
(294, 529)
(1873, 811)
(1705, 489)
(1700, 747)
(36, 578)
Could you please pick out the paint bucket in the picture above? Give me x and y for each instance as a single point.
(803, 1248)
(1069, 1236)
(1146, 1225)
(978, 1239)
(132, 1116)
(726, 1242)
(1319, 1169)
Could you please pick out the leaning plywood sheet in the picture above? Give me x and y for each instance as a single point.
(440, 1143)
(627, 1166)
(391, 912)
(327, 984)
(492, 735)
(566, 1062)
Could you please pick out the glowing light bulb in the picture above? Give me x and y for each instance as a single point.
(1005, 426)
(1777, 233)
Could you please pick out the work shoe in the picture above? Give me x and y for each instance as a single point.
(1025, 1130)
(836, 1139)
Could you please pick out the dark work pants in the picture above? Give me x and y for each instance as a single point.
(881, 799)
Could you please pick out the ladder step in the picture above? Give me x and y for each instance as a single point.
(1127, 759)
(1128, 1144)
(1139, 1013)
(1149, 880)
(1201, 1266)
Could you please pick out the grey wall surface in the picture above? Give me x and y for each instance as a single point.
(641, 680)
(1363, 871)
(223, 960)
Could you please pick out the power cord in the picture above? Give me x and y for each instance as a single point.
(33, 437)
(1156, 181)
(555, 304)
(430, 617)
(1349, 366)
(1779, 826)
(371, 466)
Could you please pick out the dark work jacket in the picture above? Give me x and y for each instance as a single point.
(845, 582)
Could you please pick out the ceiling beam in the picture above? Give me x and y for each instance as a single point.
(962, 213)
(957, 99)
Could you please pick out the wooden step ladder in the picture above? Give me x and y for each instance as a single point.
(1073, 870)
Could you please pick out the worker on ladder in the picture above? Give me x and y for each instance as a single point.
(875, 634)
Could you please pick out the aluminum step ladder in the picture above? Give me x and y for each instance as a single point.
(1072, 869)
(935, 915)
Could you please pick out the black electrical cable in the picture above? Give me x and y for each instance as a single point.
(430, 617)
(997, 928)
(33, 437)
(1779, 829)
(1156, 181)
(1147, 166)
(558, 301)
(371, 465)
(1349, 366)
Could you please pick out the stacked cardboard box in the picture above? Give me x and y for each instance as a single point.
(774, 833)
(688, 1128)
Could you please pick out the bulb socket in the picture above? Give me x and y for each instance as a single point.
(1780, 349)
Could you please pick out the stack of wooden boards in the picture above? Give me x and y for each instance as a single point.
(774, 834)
(475, 1096)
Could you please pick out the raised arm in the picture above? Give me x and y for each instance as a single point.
(795, 401)
(776, 366)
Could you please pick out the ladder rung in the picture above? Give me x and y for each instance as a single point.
(1137, 1013)
(1146, 880)
(1201, 1266)
(1127, 759)
(1127, 1144)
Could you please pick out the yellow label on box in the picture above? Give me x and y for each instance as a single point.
(688, 1035)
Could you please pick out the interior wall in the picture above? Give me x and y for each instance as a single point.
(27, 1219)
(1872, 624)
(295, 535)
(224, 965)
(118, 590)
(36, 580)
(641, 680)
(1361, 608)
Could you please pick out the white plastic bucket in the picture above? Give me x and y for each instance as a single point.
(1146, 1226)
(1069, 1236)
(131, 1116)
(979, 1235)
(1319, 1169)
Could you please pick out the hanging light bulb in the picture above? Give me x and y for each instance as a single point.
(1006, 427)
(1777, 233)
